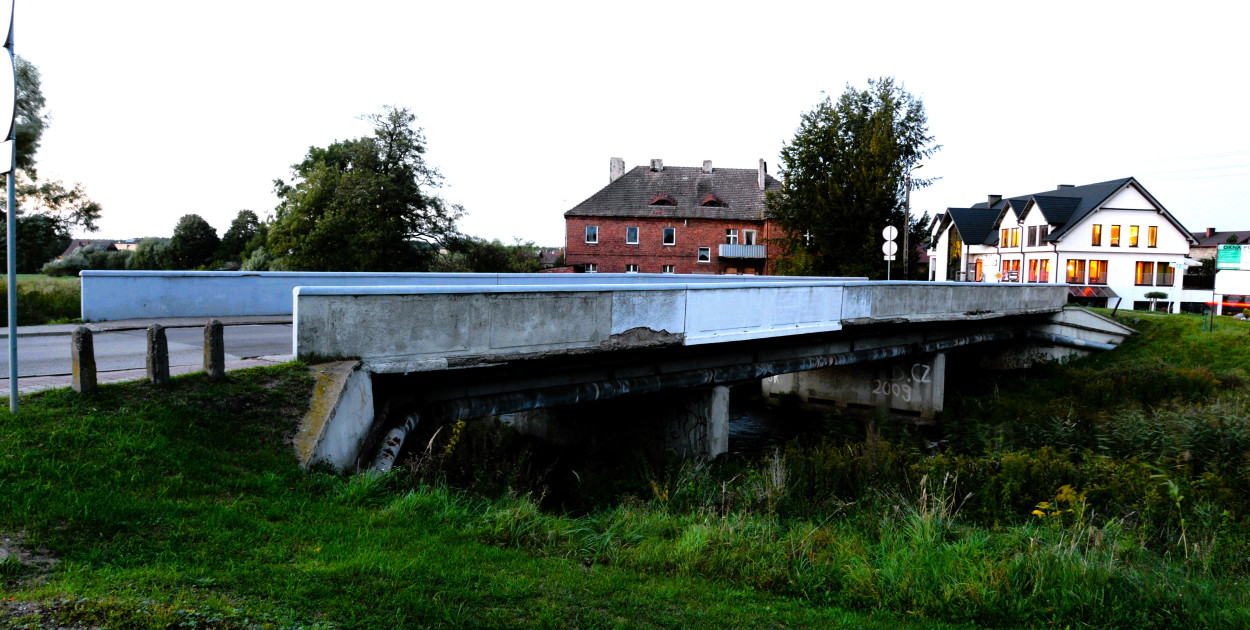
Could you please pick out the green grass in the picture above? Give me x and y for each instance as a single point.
(184, 505)
(43, 300)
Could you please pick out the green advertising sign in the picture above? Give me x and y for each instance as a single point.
(1233, 257)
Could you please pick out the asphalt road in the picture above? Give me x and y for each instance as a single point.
(127, 349)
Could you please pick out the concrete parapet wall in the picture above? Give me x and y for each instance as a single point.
(112, 295)
(387, 324)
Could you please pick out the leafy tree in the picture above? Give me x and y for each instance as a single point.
(472, 254)
(152, 253)
(40, 238)
(61, 207)
(358, 205)
(844, 179)
(242, 230)
(193, 244)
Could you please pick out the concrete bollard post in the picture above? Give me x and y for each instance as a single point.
(82, 357)
(214, 350)
(158, 355)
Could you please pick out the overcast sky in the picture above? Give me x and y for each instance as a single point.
(167, 108)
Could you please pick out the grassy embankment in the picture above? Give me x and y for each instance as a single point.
(1112, 492)
(42, 300)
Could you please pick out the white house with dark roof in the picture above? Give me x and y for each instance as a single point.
(1107, 240)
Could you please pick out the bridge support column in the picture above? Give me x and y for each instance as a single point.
(692, 423)
(916, 384)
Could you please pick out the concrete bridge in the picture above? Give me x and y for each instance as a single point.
(649, 359)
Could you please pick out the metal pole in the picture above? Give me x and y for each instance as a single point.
(907, 226)
(11, 234)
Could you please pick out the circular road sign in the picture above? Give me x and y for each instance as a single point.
(889, 232)
(889, 247)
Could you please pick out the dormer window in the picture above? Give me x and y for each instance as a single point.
(663, 199)
(712, 201)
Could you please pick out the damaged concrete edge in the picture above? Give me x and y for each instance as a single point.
(339, 415)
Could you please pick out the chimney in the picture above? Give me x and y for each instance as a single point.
(1210, 232)
(707, 166)
(1062, 186)
(616, 170)
(993, 199)
(763, 172)
(657, 165)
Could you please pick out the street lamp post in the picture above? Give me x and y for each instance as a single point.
(907, 222)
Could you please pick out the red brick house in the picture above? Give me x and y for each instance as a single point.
(674, 219)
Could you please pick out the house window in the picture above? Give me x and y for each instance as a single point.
(1032, 236)
(705, 254)
(731, 237)
(592, 234)
(1132, 236)
(1011, 271)
(668, 269)
(1115, 236)
(749, 271)
(1042, 231)
(670, 236)
(978, 270)
(1005, 241)
(1098, 272)
(1152, 236)
(748, 237)
(592, 268)
(1097, 236)
(1015, 238)
(1033, 270)
(1076, 271)
(1144, 275)
(731, 271)
(631, 236)
(631, 268)
(1164, 274)
(1044, 274)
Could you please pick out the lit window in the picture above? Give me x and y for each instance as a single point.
(631, 236)
(1098, 272)
(748, 237)
(1097, 238)
(731, 271)
(1011, 271)
(631, 268)
(1115, 236)
(1164, 274)
(592, 234)
(749, 271)
(731, 237)
(592, 268)
(1005, 240)
(1144, 275)
(1152, 236)
(1076, 271)
(1132, 236)
(1033, 270)
(1015, 237)
(670, 236)
(1044, 275)
(705, 254)
(668, 269)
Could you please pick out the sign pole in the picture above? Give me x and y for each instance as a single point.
(11, 215)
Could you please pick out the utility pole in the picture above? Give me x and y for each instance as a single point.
(907, 222)
(8, 105)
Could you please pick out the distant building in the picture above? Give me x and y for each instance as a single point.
(78, 244)
(676, 219)
(1107, 240)
(130, 244)
(1210, 241)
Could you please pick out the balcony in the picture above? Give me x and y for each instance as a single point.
(742, 251)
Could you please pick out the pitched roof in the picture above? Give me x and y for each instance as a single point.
(976, 225)
(1220, 238)
(688, 187)
(1067, 206)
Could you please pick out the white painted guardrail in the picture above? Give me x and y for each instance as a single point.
(408, 325)
(113, 295)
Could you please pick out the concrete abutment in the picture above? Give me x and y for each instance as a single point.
(915, 384)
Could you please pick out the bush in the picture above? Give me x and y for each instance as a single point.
(43, 301)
